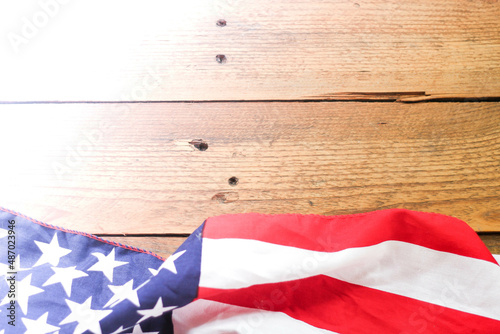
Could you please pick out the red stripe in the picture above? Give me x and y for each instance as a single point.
(334, 233)
(343, 307)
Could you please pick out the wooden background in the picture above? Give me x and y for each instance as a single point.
(139, 123)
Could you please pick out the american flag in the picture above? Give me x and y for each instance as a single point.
(389, 271)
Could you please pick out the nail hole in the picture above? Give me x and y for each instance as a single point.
(221, 23)
(356, 5)
(221, 59)
(233, 181)
(199, 144)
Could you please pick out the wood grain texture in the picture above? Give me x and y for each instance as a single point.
(130, 168)
(278, 50)
(492, 241)
(165, 246)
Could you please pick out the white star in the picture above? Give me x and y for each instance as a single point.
(39, 326)
(65, 276)
(138, 330)
(87, 318)
(5, 267)
(118, 331)
(122, 292)
(3, 233)
(169, 263)
(152, 271)
(51, 253)
(17, 264)
(155, 311)
(106, 264)
(24, 291)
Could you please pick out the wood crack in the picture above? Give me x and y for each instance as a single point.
(406, 97)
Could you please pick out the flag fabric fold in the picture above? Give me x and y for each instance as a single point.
(389, 271)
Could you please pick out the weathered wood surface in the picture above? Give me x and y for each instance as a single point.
(165, 246)
(274, 50)
(492, 241)
(134, 168)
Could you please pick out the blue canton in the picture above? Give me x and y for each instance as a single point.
(63, 281)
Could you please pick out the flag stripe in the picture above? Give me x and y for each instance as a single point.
(392, 266)
(334, 233)
(208, 317)
(343, 307)
(420, 274)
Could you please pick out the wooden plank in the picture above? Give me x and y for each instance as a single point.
(134, 168)
(278, 50)
(165, 246)
(492, 241)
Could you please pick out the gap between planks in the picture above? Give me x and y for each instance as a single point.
(403, 97)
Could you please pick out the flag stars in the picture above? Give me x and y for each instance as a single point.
(106, 264)
(65, 276)
(118, 331)
(39, 326)
(138, 330)
(169, 263)
(4, 268)
(155, 312)
(87, 318)
(25, 290)
(154, 272)
(3, 233)
(122, 292)
(51, 253)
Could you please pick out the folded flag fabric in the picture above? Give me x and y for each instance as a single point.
(389, 271)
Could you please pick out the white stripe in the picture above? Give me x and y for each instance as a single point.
(205, 316)
(497, 257)
(441, 278)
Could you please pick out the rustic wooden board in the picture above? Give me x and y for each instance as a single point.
(165, 246)
(274, 50)
(134, 168)
(492, 241)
